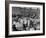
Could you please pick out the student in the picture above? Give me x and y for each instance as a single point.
(25, 23)
(31, 25)
(14, 26)
(24, 26)
(38, 26)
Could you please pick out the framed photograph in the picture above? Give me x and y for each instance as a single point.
(24, 18)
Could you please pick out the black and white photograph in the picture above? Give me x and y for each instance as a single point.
(26, 19)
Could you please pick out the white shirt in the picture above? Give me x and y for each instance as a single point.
(25, 21)
(19, 26)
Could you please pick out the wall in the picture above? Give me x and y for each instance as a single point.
(2, 19)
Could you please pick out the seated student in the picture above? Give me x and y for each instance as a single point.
(19, 26)
(24, 27)
(28, 25)
(38, 26)
(31, 26)
(24, 23)
(13, 26)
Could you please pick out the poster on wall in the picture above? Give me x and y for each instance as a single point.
(24, 18)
